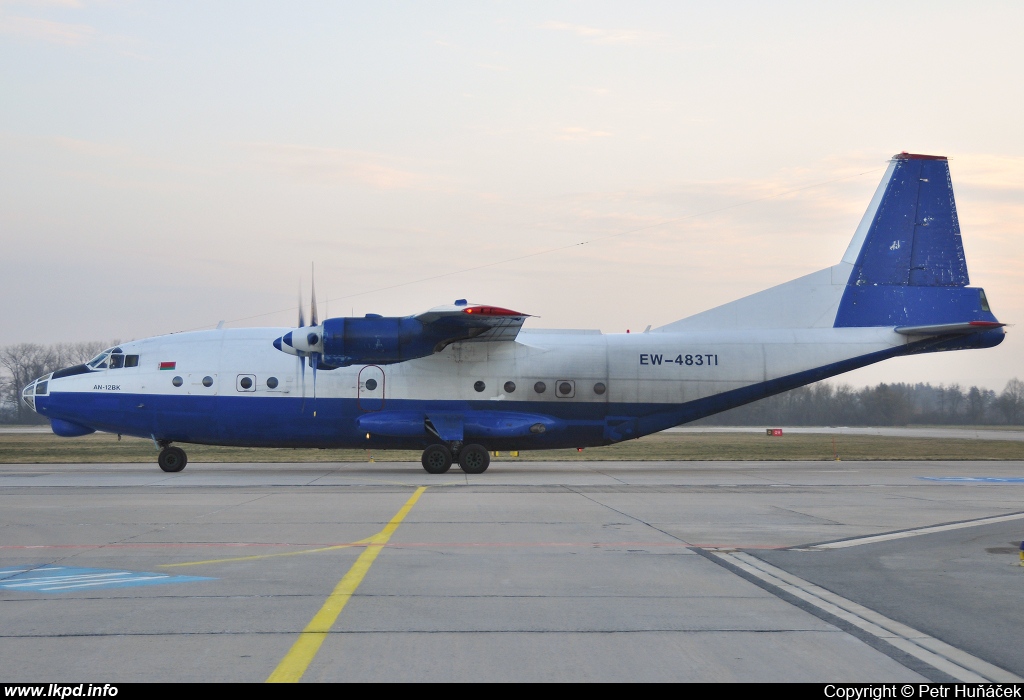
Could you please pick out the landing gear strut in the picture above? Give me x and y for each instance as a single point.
(172, 459)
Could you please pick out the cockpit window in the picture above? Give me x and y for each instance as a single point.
(100, 361)
(113, 358)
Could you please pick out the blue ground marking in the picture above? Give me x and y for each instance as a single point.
(977, 479)
(48, 578)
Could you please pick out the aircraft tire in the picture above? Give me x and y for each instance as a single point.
(436, 459)
(474, 459)
(172, 459)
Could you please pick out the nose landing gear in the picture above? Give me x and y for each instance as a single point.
(172, 459)
(473, 459)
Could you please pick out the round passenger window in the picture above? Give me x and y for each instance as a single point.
(540, 387)
(271, 382)
(479, 386)
(510, 387)
(599, 388)
(371, 384)
(177, 381)
(207, 381)
(245, 383)
(565, 388)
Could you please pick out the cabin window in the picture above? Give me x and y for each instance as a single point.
(271, 382)
(479, 386)
(116, 361)
(131, 360)
(600, 388)
(540, 387)
(177, 381)
(565, 389)
(207, 381)
(510, 387)
(371, 384)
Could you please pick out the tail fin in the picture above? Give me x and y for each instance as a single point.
(904, 268)
(910, 235)
(908, 259)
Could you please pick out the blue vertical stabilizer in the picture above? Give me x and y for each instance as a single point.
(910, 268)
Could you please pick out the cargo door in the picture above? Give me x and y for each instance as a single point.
(370, 389)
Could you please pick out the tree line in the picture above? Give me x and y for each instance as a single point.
(822, 403)
(21, 363)
(825, 403)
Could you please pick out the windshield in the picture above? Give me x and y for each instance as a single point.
(100, 361)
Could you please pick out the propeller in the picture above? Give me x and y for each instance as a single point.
(305, 345)
(312, 339)
(302, 361)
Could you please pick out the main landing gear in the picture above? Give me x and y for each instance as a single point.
(473, 459)
(172, 459)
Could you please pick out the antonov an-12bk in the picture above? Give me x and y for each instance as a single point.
(458, 381)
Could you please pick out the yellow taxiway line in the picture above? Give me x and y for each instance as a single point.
(298, 658)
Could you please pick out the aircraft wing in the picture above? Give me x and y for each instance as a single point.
(473, 322)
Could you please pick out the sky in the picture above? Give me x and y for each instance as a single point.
(165, 166)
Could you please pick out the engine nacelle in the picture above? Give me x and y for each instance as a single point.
(383, 340)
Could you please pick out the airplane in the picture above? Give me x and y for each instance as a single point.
(461, 380)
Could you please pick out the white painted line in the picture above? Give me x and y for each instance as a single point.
(957, 663)
(49, 580)
(110, 582)
(914, 533)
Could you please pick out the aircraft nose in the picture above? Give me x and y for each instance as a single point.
(39, 387)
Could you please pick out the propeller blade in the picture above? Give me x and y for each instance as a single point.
(302, 321)
(302, 364)
(314, 361)
(312, 301)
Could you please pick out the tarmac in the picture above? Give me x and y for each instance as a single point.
(600, 571)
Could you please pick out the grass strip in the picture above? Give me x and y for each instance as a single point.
(45, 448)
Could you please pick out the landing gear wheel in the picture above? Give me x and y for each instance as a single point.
(437, 459)
(172, 459)
(474, 459)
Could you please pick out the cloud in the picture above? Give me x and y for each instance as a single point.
(36, 29)
(607, 36)
(45, 3)
(314, 164)
(578, 133)
(985, 171)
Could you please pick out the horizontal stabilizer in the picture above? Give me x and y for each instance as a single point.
(950, 328)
